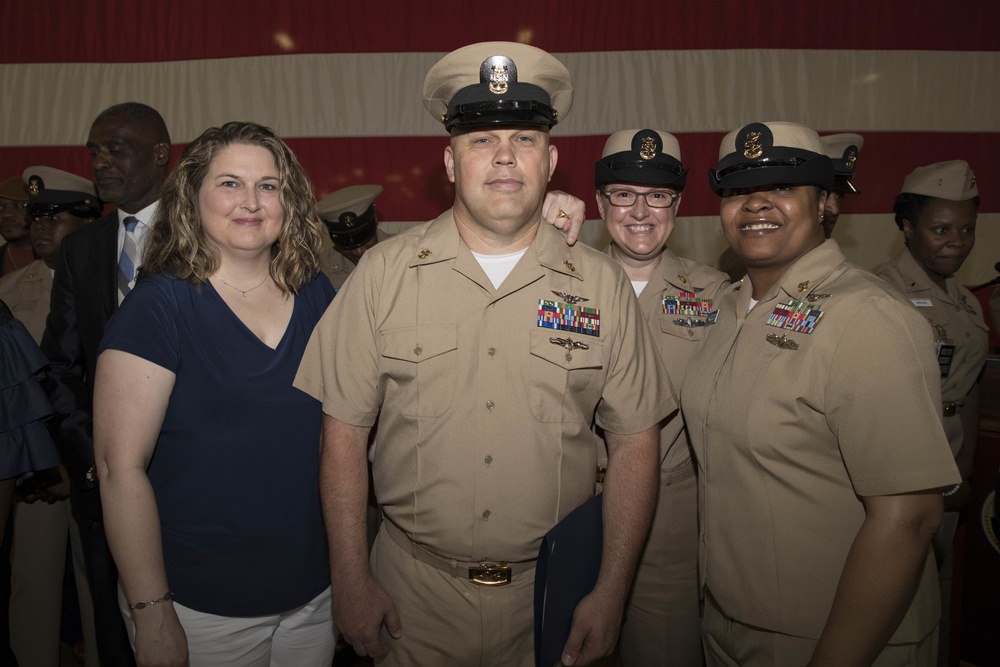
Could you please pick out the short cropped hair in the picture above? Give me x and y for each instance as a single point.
(178, 245)
(908, 206)
(142, 114)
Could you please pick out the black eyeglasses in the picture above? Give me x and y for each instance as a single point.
(655, 199)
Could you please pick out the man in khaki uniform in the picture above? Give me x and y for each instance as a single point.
(349, 217)
(936, 211)
(813, 407)
(843, 149)
(639, 181)
(484, 347)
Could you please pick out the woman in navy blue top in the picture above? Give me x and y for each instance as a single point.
(208, 458)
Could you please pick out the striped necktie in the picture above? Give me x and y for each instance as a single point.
(126, 261)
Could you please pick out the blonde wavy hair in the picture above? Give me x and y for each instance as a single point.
(177, 243)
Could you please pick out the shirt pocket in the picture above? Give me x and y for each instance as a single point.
(693, 333)
(564, 385)
(421, 362)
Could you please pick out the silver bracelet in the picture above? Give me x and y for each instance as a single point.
(142, 605)
(953, 490)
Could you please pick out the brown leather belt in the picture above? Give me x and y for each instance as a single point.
(483, 573)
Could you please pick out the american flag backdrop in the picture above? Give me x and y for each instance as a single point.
(342, 83)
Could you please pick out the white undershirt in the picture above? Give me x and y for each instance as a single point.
(753, 302)
(639, 285)
(498, 267)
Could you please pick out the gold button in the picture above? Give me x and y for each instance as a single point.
(488, 459)
(690, 334)
(569, 357)
(491, 351)
(490, 405)
(417, 350)
(486, 514)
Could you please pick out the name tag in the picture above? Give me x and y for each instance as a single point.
(922, 303)
(945, 354)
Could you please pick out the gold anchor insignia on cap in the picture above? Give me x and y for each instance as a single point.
(804, 286)
(569, 265)
(498, 79)
(648, 149)
(753, 147)
(852, 157)
(348, 219)
(34, 186)
(423, 254)
(570, 298)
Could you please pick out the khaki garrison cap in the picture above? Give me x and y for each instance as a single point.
(498, 83)
(14, 189)
(349, 215)
(771, 153)
(645, 157)
(52, 191)
(843, 149)
(951, 180)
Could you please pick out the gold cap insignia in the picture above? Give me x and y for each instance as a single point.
(34, 186)
(852, 157)
(498, 79)
(647, 151)
(753, 147)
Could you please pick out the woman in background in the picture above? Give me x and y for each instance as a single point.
(208, 457)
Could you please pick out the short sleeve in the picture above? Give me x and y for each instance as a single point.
(145, 325)
(340, 365)
(886, 398)
(637, 393)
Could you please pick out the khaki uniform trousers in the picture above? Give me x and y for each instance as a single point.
(448, 621)
(729, 643)
(662, 619)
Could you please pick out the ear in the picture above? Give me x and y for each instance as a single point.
(600, 202)
(449, 163)
(677, 202)
(553, 159)
(162, 153)
(907, 229)
(821, 204)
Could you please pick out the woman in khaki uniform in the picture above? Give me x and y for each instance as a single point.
(936, 212)
(639, 180)
(812, 406)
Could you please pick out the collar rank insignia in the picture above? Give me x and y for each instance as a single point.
(965, 304)
(424, 254)
(795, 316)
(782, 342)
(812, 298)
(569, 317)
(570, 298)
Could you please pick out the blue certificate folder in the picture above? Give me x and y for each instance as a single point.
(568, 564)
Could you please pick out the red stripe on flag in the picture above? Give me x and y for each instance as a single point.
(44, 31)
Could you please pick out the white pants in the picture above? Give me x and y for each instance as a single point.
(302, 637)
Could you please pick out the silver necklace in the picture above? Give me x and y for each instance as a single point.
(244, 292)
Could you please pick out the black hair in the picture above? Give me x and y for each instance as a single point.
(908, 206)
(141, 113)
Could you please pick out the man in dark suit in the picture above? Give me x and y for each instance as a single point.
(130, 152)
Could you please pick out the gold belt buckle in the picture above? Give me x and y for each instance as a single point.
(490, 574)
(949, 409)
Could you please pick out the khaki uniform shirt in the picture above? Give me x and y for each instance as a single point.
(676, 335)
(790, 428)
(338, 266)
(960, 333)
(484, 424)
(27, 291)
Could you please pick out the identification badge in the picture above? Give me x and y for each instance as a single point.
(945, 355)
(922, 303)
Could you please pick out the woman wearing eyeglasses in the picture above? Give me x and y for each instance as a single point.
(639, 182)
